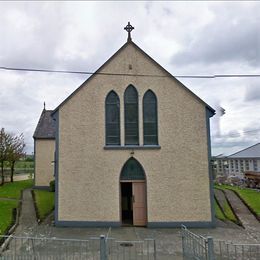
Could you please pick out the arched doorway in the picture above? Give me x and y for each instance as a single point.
(133, 194)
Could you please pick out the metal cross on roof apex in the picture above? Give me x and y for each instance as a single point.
(129, 28)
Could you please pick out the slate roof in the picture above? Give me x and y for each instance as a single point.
(250, 152)
(45, 128)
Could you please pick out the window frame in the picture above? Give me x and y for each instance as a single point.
(119, 121)
(125, 116)
(156, 118)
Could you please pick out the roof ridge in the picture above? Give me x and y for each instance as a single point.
(243, 149)
(38, 124)
(45, 127)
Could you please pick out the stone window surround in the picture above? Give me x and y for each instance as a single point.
(131, 146)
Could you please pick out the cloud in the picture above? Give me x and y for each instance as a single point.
(231, 36)
(22, 96)
(184, 37)
(253, 92)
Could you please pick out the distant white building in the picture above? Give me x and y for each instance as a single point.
(236, 164)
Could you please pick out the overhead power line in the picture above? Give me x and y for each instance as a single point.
(239, 134)
(129, 74)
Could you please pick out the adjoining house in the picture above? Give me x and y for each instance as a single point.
(44, 148)
(132, 146)
(238, 163)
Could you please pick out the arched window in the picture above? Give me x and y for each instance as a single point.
(132, 170)
(150, 118)
(112, 119)
(131, 116)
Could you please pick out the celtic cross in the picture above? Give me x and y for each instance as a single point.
(129, 28)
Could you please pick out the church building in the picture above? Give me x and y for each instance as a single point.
(132, 147)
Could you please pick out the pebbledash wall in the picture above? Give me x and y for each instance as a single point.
(177, 171)
(44, 167)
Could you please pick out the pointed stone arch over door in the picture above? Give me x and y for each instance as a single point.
(133, 194)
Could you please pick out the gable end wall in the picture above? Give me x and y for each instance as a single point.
(177, 174)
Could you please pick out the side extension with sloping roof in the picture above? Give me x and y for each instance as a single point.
(44, 147)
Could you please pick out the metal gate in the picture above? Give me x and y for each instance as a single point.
(201, 248)
(195, 246)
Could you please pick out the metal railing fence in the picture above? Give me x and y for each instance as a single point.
(51, 248)
(93, 248)
(229, 251)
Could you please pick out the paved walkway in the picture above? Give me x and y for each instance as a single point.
(27, 219)
(244, 214)
(248, 220)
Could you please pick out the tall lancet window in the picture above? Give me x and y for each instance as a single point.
(150, 126)
(131, 116)
(112, 119)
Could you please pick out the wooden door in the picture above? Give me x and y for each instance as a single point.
(139, 204)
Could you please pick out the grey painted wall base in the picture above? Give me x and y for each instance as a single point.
(87, 224)
(189, 224)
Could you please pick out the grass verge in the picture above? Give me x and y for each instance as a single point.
(13, 189)
(7, 215)
(218, 211)
(249, 196)
(229, 213)
(44, 202)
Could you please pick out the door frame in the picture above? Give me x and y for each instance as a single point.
(120, 198)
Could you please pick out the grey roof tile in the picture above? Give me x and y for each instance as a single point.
(250, 152)
(45, 128)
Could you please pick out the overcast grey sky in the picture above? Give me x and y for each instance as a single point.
(187, 38)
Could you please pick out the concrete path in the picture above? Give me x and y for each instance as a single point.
(27, 219)
(244, 214)
(248, 220)
(220, 196)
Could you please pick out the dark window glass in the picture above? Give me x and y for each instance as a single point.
(131, 116)
(132, 170)
(150, 118)
(112, 119)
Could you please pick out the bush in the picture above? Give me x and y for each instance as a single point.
(52, 186)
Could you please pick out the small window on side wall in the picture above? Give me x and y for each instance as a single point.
(112, 119)
(150, 122)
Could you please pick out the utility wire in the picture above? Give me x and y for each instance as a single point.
(249, 132)
(128, 74)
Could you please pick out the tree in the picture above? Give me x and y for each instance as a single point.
(5, 140)
(15, 150)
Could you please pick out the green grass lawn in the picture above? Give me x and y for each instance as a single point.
(218, 211)
(6, 216)
(44, 202)
(13, 189)
(251, 197)
(229, 213)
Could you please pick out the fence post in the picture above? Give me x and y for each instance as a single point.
(210, 248)
(103, 250)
